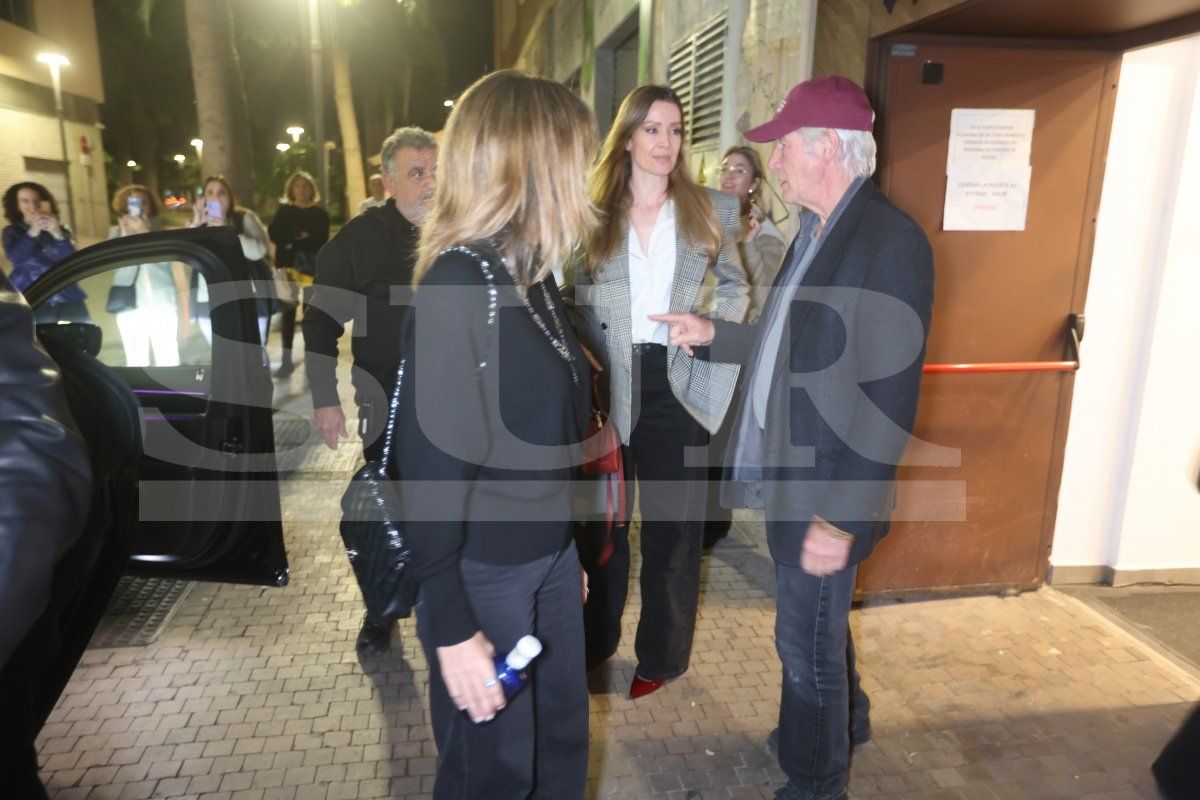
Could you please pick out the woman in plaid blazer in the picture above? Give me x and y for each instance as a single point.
(661, 237)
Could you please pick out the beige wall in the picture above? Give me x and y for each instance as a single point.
(67, 27)
(63, 26)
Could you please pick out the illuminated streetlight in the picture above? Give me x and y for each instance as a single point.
(179, 158)
(283, 147)
(55, 62)
(295, 132)
(131, 164)
(448, 103)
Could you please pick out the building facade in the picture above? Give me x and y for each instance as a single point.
(1068, 468)
(30, 146)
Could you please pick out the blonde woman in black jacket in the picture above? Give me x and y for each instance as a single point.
(489, 431)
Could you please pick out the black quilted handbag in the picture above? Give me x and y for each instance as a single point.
(373, 533)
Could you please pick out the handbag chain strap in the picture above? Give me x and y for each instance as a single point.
(485, 267)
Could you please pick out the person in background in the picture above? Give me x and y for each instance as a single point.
(45, 492)
(833, 376)
(660, 235)
(217, 206)
(489, 500)
(370, 257)
(34, 241)
(761, 244)
(157, 323)
(376, 194)
(299, 230)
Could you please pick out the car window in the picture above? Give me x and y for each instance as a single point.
(149, 315)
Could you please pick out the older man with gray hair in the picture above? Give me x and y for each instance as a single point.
(356, 271)
(833, 372)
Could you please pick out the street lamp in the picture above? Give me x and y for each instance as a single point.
(179, 158)
(131, 164)
(283, 147)
(448, 103)
(295, 132)
(55, 62)
(198, 143)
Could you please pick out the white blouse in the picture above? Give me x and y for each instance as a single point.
(651, 277)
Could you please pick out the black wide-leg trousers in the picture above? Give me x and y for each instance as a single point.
(666, 459)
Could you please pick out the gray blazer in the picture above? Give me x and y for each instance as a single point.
(599, 305)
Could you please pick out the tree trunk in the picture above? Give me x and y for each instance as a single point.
(343, 94)
(220, 95)
(406, 91)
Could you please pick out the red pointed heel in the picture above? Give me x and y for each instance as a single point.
(642, 687)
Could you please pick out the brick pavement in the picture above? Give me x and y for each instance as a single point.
(257, 694)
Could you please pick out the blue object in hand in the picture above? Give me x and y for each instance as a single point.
(512, 669)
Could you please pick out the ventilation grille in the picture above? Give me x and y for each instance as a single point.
(696, 72)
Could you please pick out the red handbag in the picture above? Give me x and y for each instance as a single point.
(602, 460)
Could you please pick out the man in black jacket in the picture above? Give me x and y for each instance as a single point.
(45, 488)
(833, 372)
(357, 273)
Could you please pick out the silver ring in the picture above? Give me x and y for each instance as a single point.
(490, 682)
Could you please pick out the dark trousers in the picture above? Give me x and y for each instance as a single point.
(671, 498)
(822, 700)
(287, 320)
(537, 746)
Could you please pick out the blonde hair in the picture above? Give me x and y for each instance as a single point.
(512, 173)
(290, 187)
(608, 184)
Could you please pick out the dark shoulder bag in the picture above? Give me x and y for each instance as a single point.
(372, 528)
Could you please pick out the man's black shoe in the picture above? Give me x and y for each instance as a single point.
(376, 636)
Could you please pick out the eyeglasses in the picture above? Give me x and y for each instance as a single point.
(741, 172)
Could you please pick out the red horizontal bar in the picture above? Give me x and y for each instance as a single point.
(1008, 366)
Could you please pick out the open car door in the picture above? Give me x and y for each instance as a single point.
(176, 315)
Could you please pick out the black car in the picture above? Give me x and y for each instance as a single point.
(170, 386)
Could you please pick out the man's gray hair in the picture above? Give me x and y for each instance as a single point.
(411, 137)
(856, 156)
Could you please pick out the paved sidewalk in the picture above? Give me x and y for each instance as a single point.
(257, 694)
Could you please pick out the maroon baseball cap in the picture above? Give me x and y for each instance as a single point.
(832, 102)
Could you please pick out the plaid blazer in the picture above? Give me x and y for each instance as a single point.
(599, 307)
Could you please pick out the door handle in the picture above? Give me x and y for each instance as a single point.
(1075, 326)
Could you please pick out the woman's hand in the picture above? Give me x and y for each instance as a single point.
(52, 225)
(583, 579)
(37, 226)
(131, 225)
(751, 228)
(470, 677)
(199, 216)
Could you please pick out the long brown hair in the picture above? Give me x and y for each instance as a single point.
(512, 172)
(608, 183)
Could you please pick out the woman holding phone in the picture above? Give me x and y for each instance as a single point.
(155, 322)
(660, 237)
(34, 241)
(761, 244)
(217, 207)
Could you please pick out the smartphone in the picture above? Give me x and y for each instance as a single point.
(135, 206)
(46, 209)
(213, 209)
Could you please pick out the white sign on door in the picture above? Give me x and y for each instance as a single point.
(987, 169)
